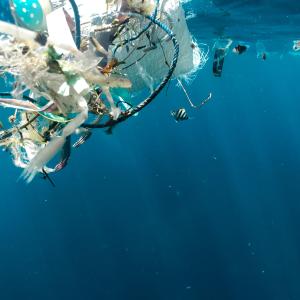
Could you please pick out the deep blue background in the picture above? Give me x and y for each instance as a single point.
(204, 209)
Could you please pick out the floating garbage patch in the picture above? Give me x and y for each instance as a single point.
(71, 67)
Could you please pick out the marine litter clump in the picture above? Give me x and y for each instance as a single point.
(70, 67)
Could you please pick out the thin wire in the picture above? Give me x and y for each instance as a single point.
(153, 16)
(9, 133)
(186, 94)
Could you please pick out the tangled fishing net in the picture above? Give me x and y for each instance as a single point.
(70, 67)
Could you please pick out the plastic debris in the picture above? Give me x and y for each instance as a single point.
(70, 67)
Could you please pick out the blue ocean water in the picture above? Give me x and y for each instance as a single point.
(204, 209)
